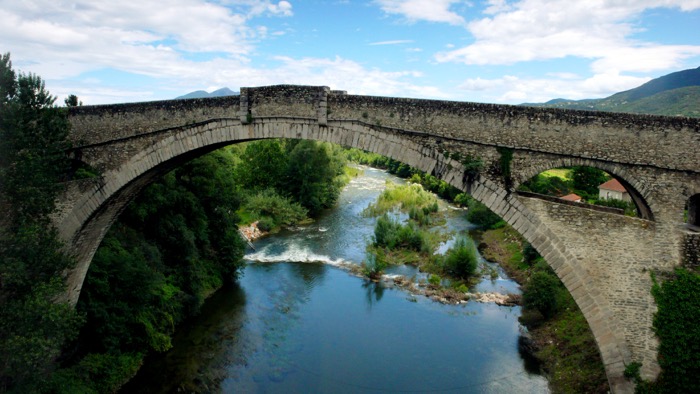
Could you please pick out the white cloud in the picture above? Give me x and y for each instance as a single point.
(423, 10)
(599, 30)
(63, 40)
(184, 76)
(515, 90)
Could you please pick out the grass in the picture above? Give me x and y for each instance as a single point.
(403, 197)
(563, 173)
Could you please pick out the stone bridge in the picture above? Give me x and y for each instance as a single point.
(603, 258)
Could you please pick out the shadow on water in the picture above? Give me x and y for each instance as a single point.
(197, 363)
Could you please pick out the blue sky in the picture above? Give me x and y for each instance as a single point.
(497, 51)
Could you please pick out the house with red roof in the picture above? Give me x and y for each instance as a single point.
(572, 197)
(613, 190)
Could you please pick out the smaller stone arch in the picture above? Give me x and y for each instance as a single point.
(639, 194)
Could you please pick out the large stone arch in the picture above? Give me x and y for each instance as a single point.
(93, 211)
(642, 197)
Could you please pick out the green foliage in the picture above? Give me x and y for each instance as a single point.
(72, 101)
(175, 244)
(472, 167)
(434, 280)
(530, 254)
(632, 370)
(391, 234)
(586, 180)
(266, 223)
(677, 324)
(309, 172)
(96, 373)
(404, 197)
(461, 260)
(547, 185)
(314, 176)
(33, 325)
(282, 211)
(541, 293)
(480, 215)
(263, 165)
(375, 263)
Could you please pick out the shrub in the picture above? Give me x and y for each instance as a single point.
(461, 260)
(530, 254)
(541, 293)
(374, 264)
(282, 210)
(266, 223)
(480, 215)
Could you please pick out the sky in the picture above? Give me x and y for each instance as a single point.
(494, 51)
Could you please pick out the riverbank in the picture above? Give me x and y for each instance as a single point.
(563, 343)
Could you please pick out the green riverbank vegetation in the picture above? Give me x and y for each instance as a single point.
(174, 245)
(178, 242)
(415, 241)
(559, 335)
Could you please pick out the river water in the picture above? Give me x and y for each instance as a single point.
(297, 323)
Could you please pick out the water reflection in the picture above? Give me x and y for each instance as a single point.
(373, 291)
(203, 348)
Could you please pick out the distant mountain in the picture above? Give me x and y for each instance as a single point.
(675, 94)
(203, 94)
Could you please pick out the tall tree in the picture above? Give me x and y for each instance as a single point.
(311, 175)
(33, 327)
(587, 179)
(263, 165)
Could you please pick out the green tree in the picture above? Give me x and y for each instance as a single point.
(33, 141)
(175, 244)
(72, 101)
(480, 215)
(587, 179)
(461, 260)
(541, 293)
(263, 165)
(313, 174)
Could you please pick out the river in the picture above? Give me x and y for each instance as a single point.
(298, 323)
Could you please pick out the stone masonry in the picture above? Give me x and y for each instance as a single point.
(603, 258)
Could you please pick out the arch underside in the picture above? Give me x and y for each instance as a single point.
(97, 209)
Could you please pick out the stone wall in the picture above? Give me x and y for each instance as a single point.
(624, 138)
(94, 125)
(617, 253)
(664, 142)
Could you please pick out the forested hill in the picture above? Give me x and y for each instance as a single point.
(675, 94)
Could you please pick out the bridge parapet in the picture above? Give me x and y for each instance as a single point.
(100, 124)
(641, 140)
(664, 142)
